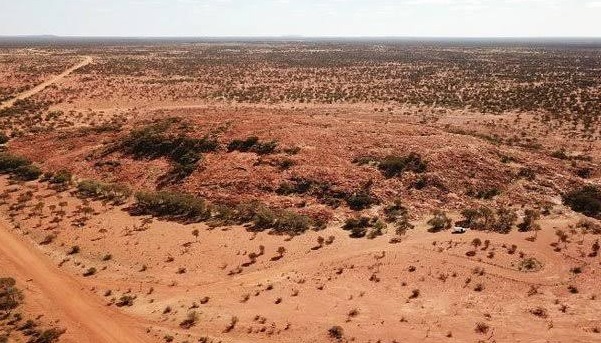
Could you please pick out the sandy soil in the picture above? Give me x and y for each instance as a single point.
(300, 296)
(84, 314)
(86, 60)
(106, 275)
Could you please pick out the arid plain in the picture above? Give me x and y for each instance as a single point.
(300, 191)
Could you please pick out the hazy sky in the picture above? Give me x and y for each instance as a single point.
(302, 17)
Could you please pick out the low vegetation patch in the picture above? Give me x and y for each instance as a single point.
(486, 219)
(151, 142)
(586, 200)
(62, 177)
(11, 299)
(365, 226)
(110, 192)
(439, 222)
(398, 215)
(18, 167)
(10, 296)
(328, 194)
(392, 165)
(171, 205)
(188, 208)
(281, 221)
(253, 144)
(530, 265)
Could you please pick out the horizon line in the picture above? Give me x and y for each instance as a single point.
(290, 36)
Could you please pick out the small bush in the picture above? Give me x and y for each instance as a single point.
(359, 227)
(414, 294)
(439, 222)
(114, 193)
(125, 300)
(48, 336)
(62, 177)
(527, 173)
(74, 250)
(10, 296)
(252, 144)
(586, 200)
(529, 265)
(280, 221)
(487, 194)
(9, 162)
(360, 200)
(152, 142)
(392, 166)
(485, 219)
(172, 204)
(91, 271)
(336, 332)
(190, 320)
(482, 328)
(243, 145)
(529, 223)
(27, 172)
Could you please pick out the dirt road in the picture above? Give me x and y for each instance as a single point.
(86, 60)
(96, 322)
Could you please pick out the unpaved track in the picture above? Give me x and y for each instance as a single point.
(86, 60)
(96, 321)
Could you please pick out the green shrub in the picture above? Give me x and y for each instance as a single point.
(252, 144)
(10, 296)
(151, 142)
(243, 145)
(62, 177)
(115, 193)
(485, 219)
(327, 194)
(560, 154)
(487, 194)
(280, 221)
(439, 222)
(395, 210)
(9, 162)
(360, 227)
(20, 167)
(392, 166)
(586, 200)
(125, 300)
(288, 222)
(172, 204)
(265, 148)
(297, 186)
(264, 218)
(529, 223)
(48, 336)
(360, 200)
(336, 332)
(28, 172)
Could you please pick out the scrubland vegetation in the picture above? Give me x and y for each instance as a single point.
(13, 325)
(210, 191)
(530, 78)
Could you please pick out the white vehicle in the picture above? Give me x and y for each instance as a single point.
(459, 229)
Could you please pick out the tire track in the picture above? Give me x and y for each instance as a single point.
(9, 103)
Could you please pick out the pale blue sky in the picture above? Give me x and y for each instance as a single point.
(443, 18)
